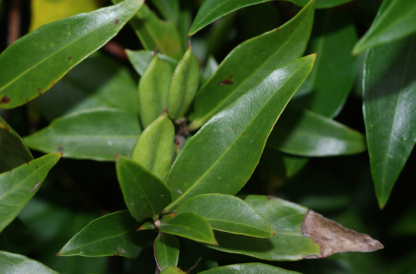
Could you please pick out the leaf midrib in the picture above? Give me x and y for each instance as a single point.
(222, 102)
(239, 136)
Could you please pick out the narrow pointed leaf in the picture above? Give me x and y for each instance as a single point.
(168, 8)
(15, 263)
(229, 214)
(154, 90)
(56, 48)
(19, 185)
(111, 235)
(144, 193)
(184, 85)
(238, 135)
(113, 86)
(173, 270)
(96, 134)
(212, 10)
(304, 133)
(299, 234)
(166, 249)
(13, 152)
(189, 225)
(146, 226)
(395, 19)
(153, 149)
(237, 74)
(156, 33)
(251, 268)
(321, 4)
(140, 59)
(389, 113)
(332, 77)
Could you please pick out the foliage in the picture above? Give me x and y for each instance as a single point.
(181, 133)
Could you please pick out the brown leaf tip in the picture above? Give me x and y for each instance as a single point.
(58, 254)
(164, 112)
(334, 238)
(155, 52)
(189, 44)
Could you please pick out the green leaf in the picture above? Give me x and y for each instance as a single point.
(304, 133)
(188, 225)
(156, 33)
(389, 114)
(154, 90)
(168, 8)
(15, 263)
(250, 268)
(212, 10)
(19, 185)
(321, 4)
(287, 244)
(154, 148)
(55, 48)
(78, 91)
(140, 59)
(113, 234)
(96, 134)
(146, 226)
(184, 85)
(395, 19)
(237, 74)
(238, 134)
(172, 270)
(332, 78)
(229, 214)
(13, 152)
(166, 249)
(144, 193)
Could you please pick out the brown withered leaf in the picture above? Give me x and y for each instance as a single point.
(334, 238)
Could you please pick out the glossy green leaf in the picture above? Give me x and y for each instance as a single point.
(332, 78)
(390, 116)
(153, 149)
(144, 194)
(113, 86)
(156, 33)
(140, 59)
(395, 19)
(112, 234)
(19, 185)
(238, 134)
(15, 263)
(188, 225)
(251, 268)
(168, 8)
(13, 152)
(287, 244)
(56, 48)
(96, 134)
(229, 214)
(212, 10)
(184, 85)
(172, 270)
(237, 74)
(304, 133)
(321, 4)
(154, 90)
(166, 249)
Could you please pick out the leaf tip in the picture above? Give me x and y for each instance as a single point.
(155, 52)
(164, 112)
(189, 45)
(58, 254)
